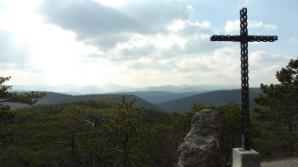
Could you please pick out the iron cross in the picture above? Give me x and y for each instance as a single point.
(244, 38)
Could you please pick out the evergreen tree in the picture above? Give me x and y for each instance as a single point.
(277, 108)
(7, 96)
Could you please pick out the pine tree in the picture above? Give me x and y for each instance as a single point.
(7, 96)
(278, 106)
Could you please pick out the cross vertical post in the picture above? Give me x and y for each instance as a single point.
(244, 38)
(246, 144)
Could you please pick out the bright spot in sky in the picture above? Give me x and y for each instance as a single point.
(111, 3)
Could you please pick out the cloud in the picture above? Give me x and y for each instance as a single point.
(243, 2)
(221, 65)
(136, 29)
(263, 57)
(139, 42)
(96, 44)
(212, 62)
(105, 26)
(234, 25)
(189, 28)
(154, 38)
(11, 54)
(87, 18)
(263, 66)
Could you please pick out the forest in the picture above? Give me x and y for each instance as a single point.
(116, 132)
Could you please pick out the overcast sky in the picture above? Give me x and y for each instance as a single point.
(140, 43)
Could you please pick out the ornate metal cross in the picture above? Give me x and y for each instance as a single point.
(244, 38)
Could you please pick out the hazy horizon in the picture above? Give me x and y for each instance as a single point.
(93, 89)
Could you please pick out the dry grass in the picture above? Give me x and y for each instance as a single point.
(289, 162)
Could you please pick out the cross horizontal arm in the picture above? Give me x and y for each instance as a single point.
(250, 38)
(261, 38)
(233, 38)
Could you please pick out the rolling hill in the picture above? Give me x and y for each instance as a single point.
(160, 96)
(214, 98)
(56, 98)
(155, 100)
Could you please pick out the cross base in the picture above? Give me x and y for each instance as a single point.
(242, 158)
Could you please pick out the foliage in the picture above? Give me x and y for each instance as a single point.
(105, 132)
(230, 132)
(13, 97)
(277, 112)
(64, 135)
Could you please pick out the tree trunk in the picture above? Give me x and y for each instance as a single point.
(291, 136)
(73, 153)
(126, 152)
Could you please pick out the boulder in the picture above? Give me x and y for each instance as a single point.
(201, 145)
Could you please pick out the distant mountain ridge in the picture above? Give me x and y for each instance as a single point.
(156, 97)
(214, 98)
(104, 89)
(56, 98)
(156, 100)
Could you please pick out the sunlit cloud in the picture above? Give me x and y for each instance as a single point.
(232, 26)
(125, 42)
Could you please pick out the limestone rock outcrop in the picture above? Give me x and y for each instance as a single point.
(201, 145)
